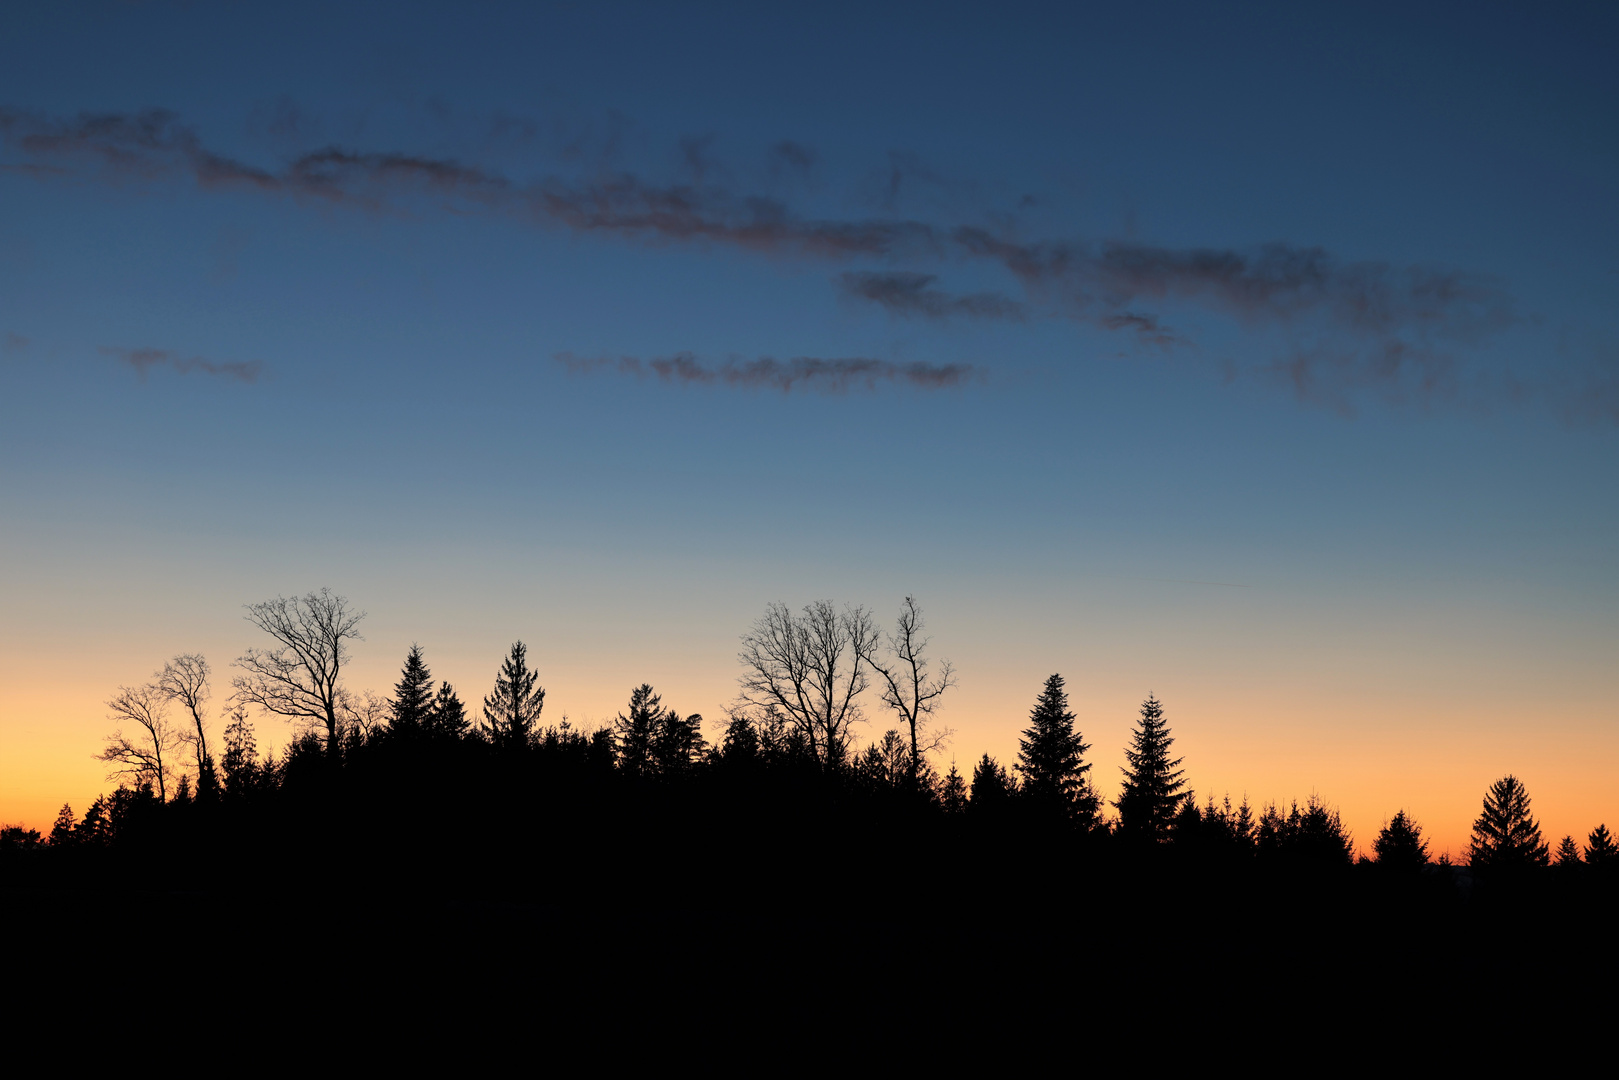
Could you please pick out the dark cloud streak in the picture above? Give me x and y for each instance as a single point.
(144, 360)
(829, 376)
(1348, 327)
(911, 294)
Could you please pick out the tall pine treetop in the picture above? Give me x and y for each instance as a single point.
(1153, 783)
(511, 713)
(1051, 759)
(1505, 836)
(413, 695)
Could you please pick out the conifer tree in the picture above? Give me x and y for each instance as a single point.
(1051, 760)
(1568, 854)
(447, 719)
(992, 788)
(413, 696)
(1505, 836)
(1400, 845)
(1600, 849)
(62, 831)
(953, 793)
(634, 733)
(511, 713)
(1152, 789)
(678, 744)
(240, 760)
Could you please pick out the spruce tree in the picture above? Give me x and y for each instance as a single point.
(240, 761)
(1153, 785)
(1505, 837)
(447, 719)
(634, 733)
(953, 793)
(1400, 845)
(1051, 760)
(1568, 854)
(413, 696)
(1600, 849)
(511, 713)
(62, 831)
(992, 789)
(678, 743)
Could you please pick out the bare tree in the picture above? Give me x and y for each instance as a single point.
(185, 680)
(810, 670)
(141, 758)
(298, 679)
(364, 712)
(906, 685)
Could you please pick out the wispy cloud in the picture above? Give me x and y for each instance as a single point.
(831, 376)
(1337, 327)
(144, 360)
(909, 294)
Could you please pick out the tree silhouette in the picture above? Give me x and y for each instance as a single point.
(677, 743)
(953, 792)
(1151, 792)
(185, 680)
(511, 713)
(240, 759)
(1400, 845)
(412, 702)
(906, 685)
(300, 679)
(447, 719)
(809, 670)
(147, 755)
(1567, 856)
(1051, 760)
(62, 832)
(1600, 849)
(1505, 837)
(1314, 834)
(992, 789)
(634, 733)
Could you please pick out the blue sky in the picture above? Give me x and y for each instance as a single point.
(341, 374)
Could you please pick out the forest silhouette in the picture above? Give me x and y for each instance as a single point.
(772, 832)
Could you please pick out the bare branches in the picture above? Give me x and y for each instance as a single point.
(185, 680)
(811, 670)
(364, 712)
(140, 758)
(299, 678)
(906, 685)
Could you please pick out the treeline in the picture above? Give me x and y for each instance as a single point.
(422, 769)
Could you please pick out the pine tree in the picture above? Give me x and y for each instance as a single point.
(1400, 845)
(992, 789)
(413, 696)
(1051, 760)
(511, 713)
(1600, 849)
(62, 831)
(1568, 854)
(1505, 836)
(447, 719)
(240, 761)
(634, 733)
(1152, 789)
(678, 744)
(953, 794)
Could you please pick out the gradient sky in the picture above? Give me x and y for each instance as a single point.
(1264, 359)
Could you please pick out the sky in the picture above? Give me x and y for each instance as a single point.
(1263, 358)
